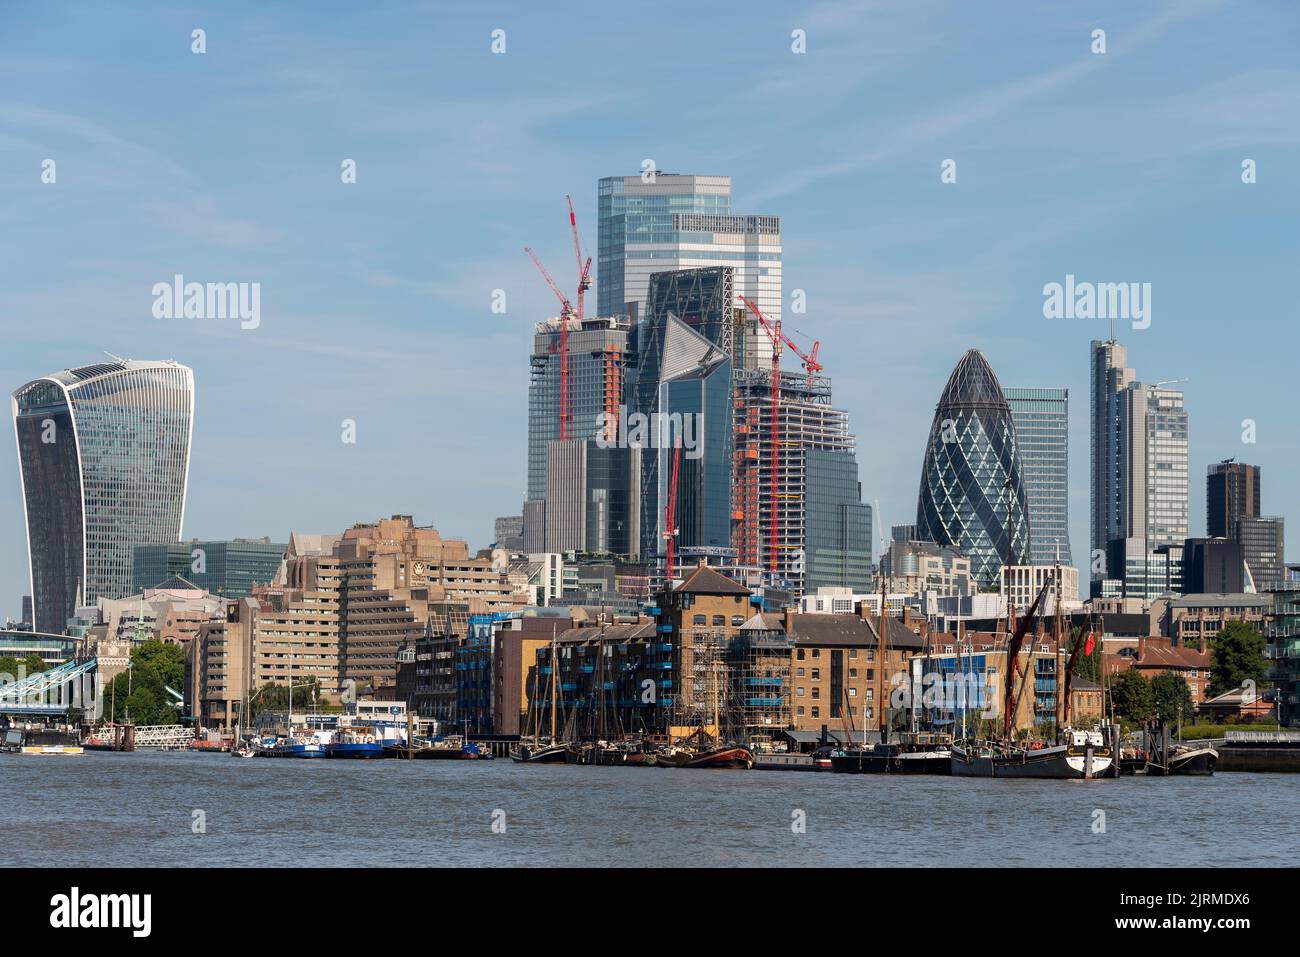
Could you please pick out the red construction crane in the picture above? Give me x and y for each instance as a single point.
(773, 331)
(566, 310)
(584, 270)
(670, 513)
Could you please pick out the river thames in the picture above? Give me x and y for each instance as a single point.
(212, 810)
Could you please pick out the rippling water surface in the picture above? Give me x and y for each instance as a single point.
(137, 809)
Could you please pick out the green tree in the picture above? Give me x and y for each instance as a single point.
(32, 664)
(1087, 667)
(1132, 696)
(1171, 697)
(139, 691)
(275, 697)
(1238, 657)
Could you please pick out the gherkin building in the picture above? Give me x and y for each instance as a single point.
(969, 461)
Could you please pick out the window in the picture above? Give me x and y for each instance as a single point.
(737, 621)
(798, 672)
(853, 652)
(853, 692)
(799, 711)
(799, 654)
(817, 692)
(719, 621)
(698, 619)
(816, 673)
(816, 712)
(853, 672)
(798, 692)
(817, 652)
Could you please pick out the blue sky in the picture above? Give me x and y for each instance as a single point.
(376, 296)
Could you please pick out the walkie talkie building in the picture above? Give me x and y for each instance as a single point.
(103, 457)
(970, 460)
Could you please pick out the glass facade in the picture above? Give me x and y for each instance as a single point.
(677, 222)
(1042, 418)
(226, 568)
(970, 461)
(837, 525)
(685, 370)
(104, 461)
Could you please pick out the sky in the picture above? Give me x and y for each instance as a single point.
(376, 296)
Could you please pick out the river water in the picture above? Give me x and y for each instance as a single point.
(144, 809)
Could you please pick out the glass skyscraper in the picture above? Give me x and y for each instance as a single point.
(971, 462)
(103, 456)
(837, 524)
(1042, 418)
(669, 222)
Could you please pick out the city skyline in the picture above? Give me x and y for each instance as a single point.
(900, 276)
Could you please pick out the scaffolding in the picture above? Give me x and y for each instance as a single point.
(807, 421)
(760, 686)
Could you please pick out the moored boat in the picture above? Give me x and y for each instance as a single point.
(1086, 756)
(43, 741)
(539, 753)
(354, 743)
(293, 747)
(913, 753)
(1193, 761)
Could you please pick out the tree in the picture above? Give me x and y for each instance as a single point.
(1171, 697)
(30, 665)
(1238, 658)
(1087, 667)
(140, 690)
(1132, 696)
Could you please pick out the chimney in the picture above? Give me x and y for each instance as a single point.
(789, 621)
(1142, 649)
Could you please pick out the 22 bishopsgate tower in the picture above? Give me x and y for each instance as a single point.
(103, 454)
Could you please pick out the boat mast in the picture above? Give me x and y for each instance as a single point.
(1060, 678)
(880, 665)
(553, 667)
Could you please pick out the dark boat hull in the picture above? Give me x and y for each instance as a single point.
(889, 762)
(1200, 762)
(1051, 763)
(553, 754)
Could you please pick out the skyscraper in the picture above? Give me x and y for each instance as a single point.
(1110, 376)
(1140, 475)
(664, 222)
(971, 477)
(597, 356)
(1042, 419)
(103, 454)
(1232, 492)
(1262, 541)
(684, 388)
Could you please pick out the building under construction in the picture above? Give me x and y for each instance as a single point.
(800, 513)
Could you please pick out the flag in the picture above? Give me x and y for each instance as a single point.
(1089, 645)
